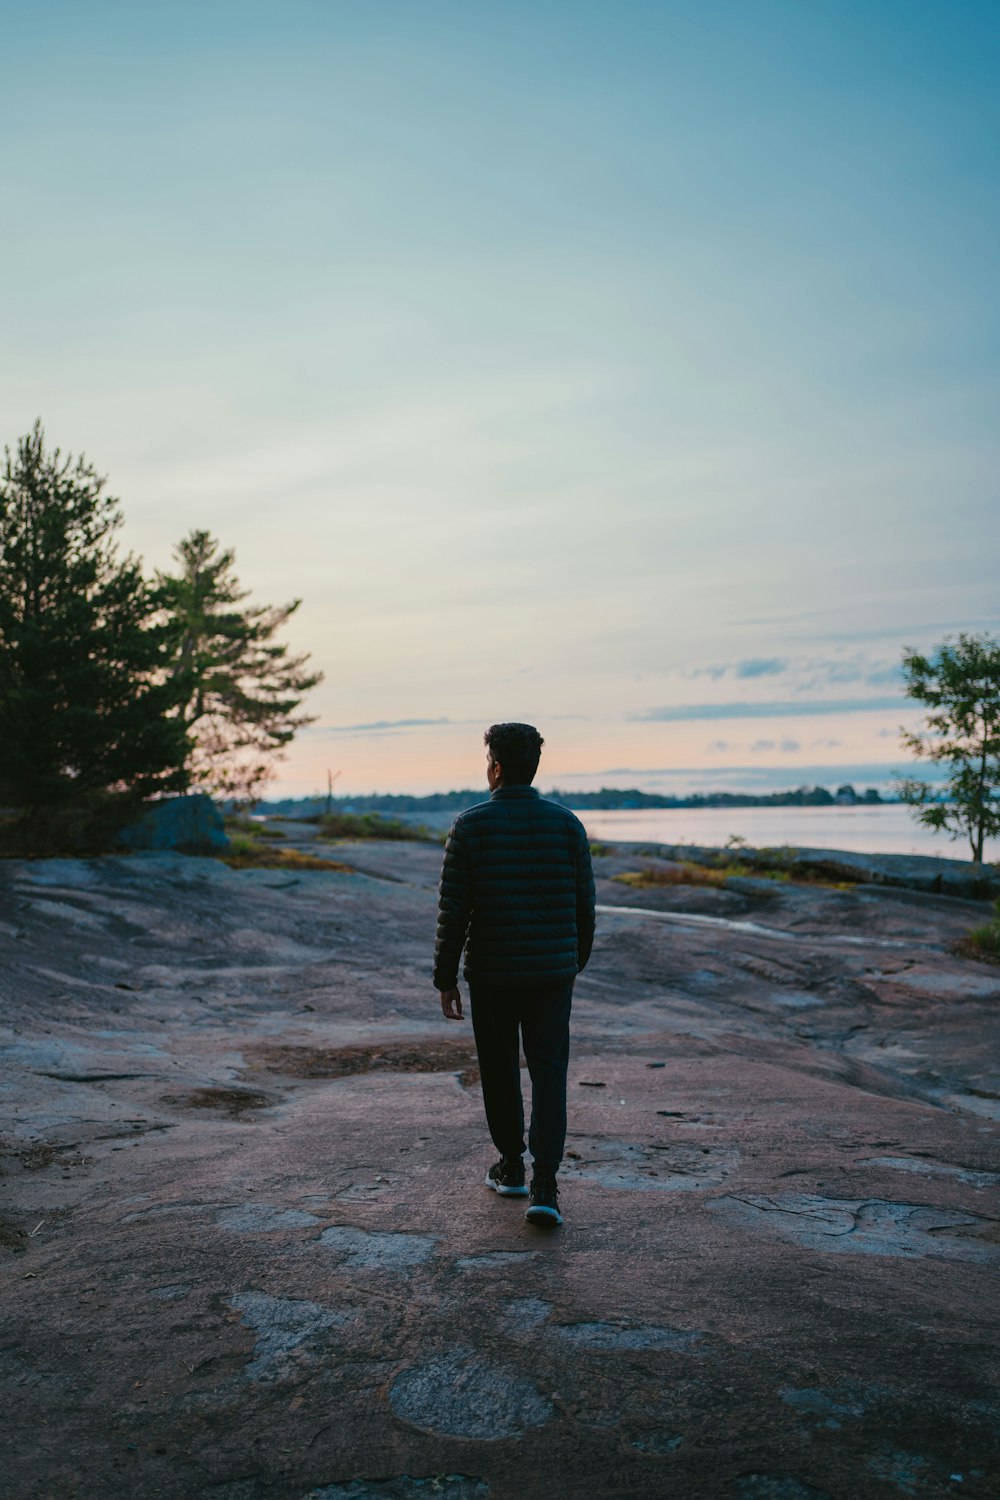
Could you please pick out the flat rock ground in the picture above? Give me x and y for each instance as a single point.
(247, 1250)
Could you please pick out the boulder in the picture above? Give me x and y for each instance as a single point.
(192, 825)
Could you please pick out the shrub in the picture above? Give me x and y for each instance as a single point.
(719, 873)
(239, 823)
(88, 826)
(371, 825)
(983, 942)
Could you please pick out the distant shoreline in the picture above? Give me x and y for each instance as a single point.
(608, 799)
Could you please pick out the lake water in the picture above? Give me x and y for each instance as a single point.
(888, 829)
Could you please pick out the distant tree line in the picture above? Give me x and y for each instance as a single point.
(118, 685)
(608, 799)
(803, 796)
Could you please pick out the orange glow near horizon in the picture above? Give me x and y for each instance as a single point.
(433, 758)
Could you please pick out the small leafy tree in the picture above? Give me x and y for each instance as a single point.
(960, 684)
(85, 704)
(240, 687)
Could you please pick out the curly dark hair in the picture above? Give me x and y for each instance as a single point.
(517, 747)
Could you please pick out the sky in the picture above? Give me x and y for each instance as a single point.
(626, 369)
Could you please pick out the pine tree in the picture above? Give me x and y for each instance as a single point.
(85, 703)
(240, 687)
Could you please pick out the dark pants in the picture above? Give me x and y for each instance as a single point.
(540, 1009)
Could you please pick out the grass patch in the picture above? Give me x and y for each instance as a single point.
(371, 825)
(249, 853)
(599, 851)
(983, 942)
(718, 874)
(682, 874)
(238, 823)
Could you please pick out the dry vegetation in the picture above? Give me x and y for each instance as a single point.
(983, 942)
(686, 872)
(370, 825)
(249, 852)
(683, 874)
(436, 1056)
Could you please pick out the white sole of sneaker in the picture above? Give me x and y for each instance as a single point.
(540, 1215)
(506, 1192)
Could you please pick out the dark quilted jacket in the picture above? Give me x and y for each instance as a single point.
(517, 891)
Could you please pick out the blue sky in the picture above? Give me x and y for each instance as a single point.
(629, 369)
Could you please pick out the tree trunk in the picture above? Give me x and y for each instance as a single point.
(977, 855)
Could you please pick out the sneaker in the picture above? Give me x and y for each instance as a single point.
(506, 1177)
(544, 1206)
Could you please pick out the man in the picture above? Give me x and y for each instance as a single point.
(517, 893)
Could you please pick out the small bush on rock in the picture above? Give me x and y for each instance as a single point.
(369, 826)
(983, 942)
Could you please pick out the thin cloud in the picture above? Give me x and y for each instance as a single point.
(809, 674)
(768, 709)
(761, 666)
(737, 777)
(832, 674)
(829, 672)
(379, 725)
(874, 633)
(751, 666)
(787, 746)
(388, 726)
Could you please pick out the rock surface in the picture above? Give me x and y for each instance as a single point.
(246, 1251)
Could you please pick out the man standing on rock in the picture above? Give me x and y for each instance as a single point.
(517, 893)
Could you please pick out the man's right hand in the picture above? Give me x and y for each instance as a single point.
(451, 1004)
